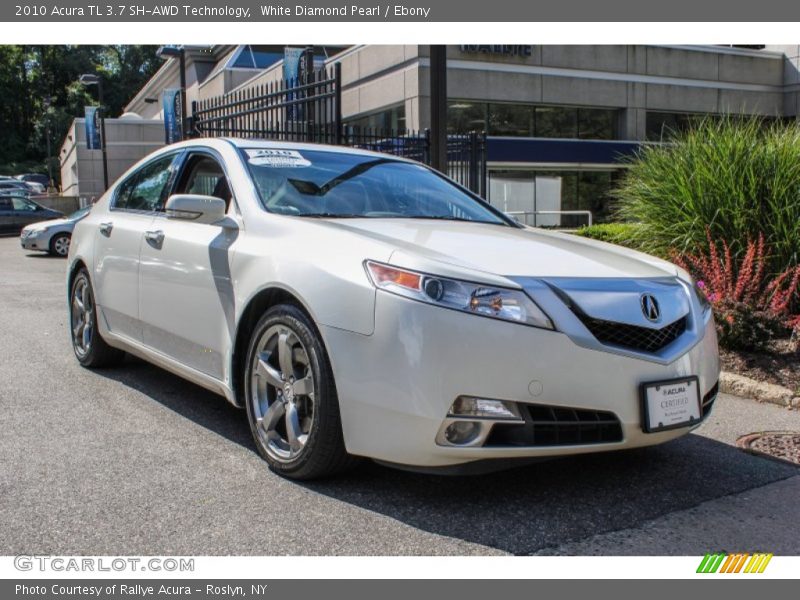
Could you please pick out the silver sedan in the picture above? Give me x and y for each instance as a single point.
(52, 236)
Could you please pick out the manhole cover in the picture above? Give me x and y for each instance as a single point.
(784, 445)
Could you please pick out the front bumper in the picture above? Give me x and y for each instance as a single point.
(395, 386)
(34, 242)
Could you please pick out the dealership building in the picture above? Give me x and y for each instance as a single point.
(560, 120)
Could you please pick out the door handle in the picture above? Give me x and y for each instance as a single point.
(105, 228)
(154, 238)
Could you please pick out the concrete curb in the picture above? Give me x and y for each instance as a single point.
(739, 385)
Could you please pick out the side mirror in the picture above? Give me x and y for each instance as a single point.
(195, 207)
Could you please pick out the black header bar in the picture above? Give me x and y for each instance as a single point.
(410, 10)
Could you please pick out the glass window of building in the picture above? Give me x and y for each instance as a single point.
(664, 125)
(597, 124)
(261, 56)
(594, 194)
(466, 116)
(526, 194)
(576, 123)
(556, 122)
(393, 118)
(255, 57)
(512, 120)
(529, 120)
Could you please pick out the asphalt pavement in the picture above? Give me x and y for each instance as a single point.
(134, 460)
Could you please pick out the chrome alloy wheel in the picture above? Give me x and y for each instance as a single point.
(282, 393)
(82, 308)
(61, 245)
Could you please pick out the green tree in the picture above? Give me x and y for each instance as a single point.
(41, 94)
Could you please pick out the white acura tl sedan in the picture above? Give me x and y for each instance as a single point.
(362, 305)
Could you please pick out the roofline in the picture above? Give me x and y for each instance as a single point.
(251, 143)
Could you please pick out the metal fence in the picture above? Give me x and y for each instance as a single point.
(415, 145)
(309, 110)
(466, 161)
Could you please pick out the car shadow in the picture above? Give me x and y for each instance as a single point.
(46, 255)
(522, 510)
(193, 402)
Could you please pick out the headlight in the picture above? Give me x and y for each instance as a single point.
(476, 299)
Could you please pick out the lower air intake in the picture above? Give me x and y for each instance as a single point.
(556, 426)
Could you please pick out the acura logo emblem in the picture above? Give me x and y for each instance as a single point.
(650, 308)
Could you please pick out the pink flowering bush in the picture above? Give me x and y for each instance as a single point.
(751, 306)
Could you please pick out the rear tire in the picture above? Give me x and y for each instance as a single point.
(59, 244)
(291, 398)
(89, 347)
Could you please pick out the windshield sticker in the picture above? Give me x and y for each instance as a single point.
(277, 158)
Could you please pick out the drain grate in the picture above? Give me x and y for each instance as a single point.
(784, 445)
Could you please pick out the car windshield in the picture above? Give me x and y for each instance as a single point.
(314, 183)
(79, 214)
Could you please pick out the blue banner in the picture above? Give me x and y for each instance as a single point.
(172, 104)
(292, 75)
(92, 122)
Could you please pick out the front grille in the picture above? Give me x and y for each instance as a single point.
(555, 426)
(643, 339)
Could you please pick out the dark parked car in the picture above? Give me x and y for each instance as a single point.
(35, 178)
(16, 211)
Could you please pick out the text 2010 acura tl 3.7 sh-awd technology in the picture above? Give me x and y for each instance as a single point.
(362, 305)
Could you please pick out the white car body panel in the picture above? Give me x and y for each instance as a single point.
(395, 413)
(508, 250)
(398, 363)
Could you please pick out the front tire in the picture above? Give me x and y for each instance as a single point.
(88, 345)
(59, 245)
(291, 398)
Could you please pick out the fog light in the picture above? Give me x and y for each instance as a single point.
(462, 432)
(466, 406)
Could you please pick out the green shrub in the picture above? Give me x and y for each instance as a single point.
(737, 177)
(623, 234)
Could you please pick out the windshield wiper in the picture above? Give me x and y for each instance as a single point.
(309, 188)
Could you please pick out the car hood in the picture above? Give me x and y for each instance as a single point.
(505, 251)
(50, 223)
